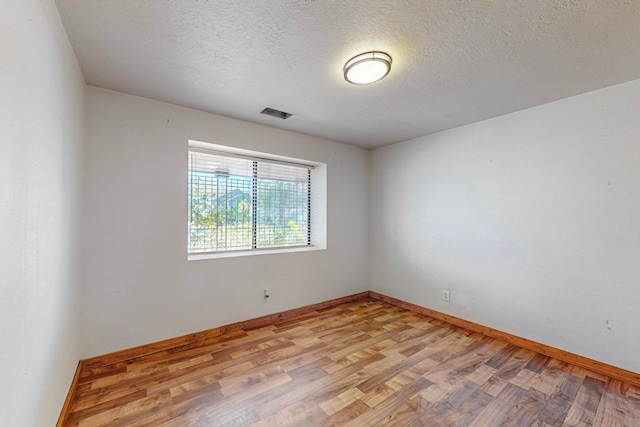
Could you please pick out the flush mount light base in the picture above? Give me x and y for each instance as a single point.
(367, 68)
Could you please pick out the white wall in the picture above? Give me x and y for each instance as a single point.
(41, 132)
(140, 287)
(529, 219)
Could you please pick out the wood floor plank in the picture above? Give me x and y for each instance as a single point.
(525, 410)
(585, 405)
(557, 406)
(495, 412)
(441, 412)
(385, 411)
(356, 364)
(469, 409)
(632, 414)
(611, 411)
(538, 362)
(296, 414)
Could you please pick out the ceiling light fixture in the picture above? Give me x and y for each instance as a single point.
(367, 68)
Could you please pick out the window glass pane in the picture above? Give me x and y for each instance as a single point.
(283, 205)
(238, 203)
(220, 204)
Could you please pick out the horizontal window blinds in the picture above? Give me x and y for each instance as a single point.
(242, 203)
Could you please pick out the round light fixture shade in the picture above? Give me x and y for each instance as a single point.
(367, 68)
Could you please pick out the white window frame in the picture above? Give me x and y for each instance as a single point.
(318, 240)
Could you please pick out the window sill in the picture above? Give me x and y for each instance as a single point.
(233, 254)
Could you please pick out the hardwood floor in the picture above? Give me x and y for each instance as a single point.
(358, 364)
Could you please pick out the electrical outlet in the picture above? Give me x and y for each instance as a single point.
(267, 294)
(446, 296)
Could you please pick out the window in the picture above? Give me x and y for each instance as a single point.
(247, 201)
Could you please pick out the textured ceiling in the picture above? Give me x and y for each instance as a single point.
(454, 61)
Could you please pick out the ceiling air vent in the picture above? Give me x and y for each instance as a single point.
(276, 113)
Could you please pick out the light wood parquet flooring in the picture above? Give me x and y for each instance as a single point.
(358, 364)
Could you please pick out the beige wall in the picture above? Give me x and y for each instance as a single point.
(41, 132)
(530, 220)
(139, 285)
